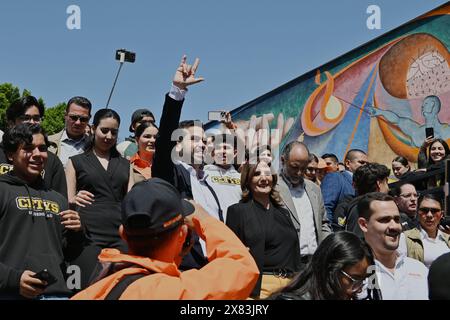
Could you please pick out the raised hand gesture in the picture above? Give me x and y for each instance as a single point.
(185, 74)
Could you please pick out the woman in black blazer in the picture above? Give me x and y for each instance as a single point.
(265, 228)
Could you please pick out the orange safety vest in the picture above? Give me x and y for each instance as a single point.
(230, 274)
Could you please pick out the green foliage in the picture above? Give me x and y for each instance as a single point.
(8, 94)
(54, 119)
(54, 116)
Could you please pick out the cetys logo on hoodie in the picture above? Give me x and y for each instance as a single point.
(38, 207)
(226, 180)
(5, 168)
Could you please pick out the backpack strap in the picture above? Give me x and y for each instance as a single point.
(123, 284)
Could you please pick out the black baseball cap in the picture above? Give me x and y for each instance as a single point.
(138, 115)
(438, 278)
(153, 206)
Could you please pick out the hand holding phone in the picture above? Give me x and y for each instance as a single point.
(45, 276)
(429, 133)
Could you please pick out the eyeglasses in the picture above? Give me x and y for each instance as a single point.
(114, 132)
(426, 210)
(75, 118)
(27, 118)
(357, 284)
(409, 195)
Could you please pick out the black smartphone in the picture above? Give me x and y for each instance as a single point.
(73, 206)
(46, 276)
(429, 132)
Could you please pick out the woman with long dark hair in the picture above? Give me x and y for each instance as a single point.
(141, 162)
(432, 152)
(265, 228)
(97, 181)
(337, 271)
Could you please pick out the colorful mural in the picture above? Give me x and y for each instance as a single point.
(379, 97)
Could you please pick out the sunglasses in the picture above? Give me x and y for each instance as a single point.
(426, 210)
(114, 132)
(357, 284)
(30, 148)
(26, 118)
(75, 118)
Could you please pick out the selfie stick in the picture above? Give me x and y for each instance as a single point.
(121, 61)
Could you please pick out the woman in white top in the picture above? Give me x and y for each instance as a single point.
(427, 242)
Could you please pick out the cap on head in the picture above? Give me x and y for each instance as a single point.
(152, 207)
(138, 115)
(438, 279)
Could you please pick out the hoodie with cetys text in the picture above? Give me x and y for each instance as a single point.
(32, 236)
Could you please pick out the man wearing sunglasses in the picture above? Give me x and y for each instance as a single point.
(72, 139)
(398, 277)
(29, 110)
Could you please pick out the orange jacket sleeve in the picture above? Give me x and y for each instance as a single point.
(230, 274)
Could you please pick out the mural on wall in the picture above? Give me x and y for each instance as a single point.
(379, 97)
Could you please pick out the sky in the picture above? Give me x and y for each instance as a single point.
(246, 47)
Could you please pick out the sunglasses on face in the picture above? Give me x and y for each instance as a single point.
(75, 118)
(426, 210)
(27, 118)
(114, 132)
(356, 283)
(30, 148)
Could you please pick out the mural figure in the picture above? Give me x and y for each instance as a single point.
(430, 110)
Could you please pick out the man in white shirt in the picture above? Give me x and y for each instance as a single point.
(398, 277)
(221, 176)
(303, 199)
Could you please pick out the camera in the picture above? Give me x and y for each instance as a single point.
(123, 55)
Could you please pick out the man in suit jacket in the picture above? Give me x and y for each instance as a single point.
(338, 185)
(187, 176)
(303, 199)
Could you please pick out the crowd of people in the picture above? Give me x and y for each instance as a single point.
(151, 218)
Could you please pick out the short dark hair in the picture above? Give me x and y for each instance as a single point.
(364, 203)
(351, 154)
(186, 124)
(21, 134)
(332, 156)
(288, 148)
(397, 189)
(365, 177)
(80, 101)
(225, 138)
(20, 106)
(430, 196)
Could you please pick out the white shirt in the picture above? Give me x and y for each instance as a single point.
(70, 147)
(226, 183)
(408, 282)
(308, 240)
(202, 195)
(432, 248)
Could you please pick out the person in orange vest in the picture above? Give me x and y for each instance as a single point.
(157, 226)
